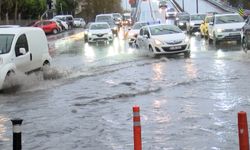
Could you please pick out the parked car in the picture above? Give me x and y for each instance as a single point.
(62, 24)
(100, 32)
(246, 35)
(226, 27)
(22, 49)
(194, 23)
(171, 13)
(134, 31)
(163, 39)
(48, 26)
(79, 22)
(67, 18)
(181, 20)
(110, 20)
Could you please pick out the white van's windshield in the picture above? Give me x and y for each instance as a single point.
(5, 43)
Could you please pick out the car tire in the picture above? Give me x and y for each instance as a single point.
(8, 83)
(54, 31)
(215, 41)
(187, 54)
(151, 52)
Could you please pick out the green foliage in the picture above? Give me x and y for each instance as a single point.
(32, 9)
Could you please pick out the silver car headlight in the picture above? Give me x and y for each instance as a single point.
(157, 42)
(181, 23)
(114, 28)
(219, 30)
(191, 24)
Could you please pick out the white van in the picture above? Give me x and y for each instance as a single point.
(24, 49)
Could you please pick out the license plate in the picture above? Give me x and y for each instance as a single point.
(175, 47)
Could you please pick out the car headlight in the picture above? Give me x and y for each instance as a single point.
(85, 32)
(158, 42)
(219, 30)
(181, 23)
(131, 34)
(89, 34)
(110, 33)
(114, 28)
(191, 24)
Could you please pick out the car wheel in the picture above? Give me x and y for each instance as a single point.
(55, 31)
(8, 81)
(187, 54)
(215, 41)
(244, 44)
(151, 52)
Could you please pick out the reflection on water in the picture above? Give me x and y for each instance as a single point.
(3, 121)
(158, 74)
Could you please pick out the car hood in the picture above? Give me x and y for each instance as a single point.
(135, 31)
(170, 37)
(99, 31)
(230, 25)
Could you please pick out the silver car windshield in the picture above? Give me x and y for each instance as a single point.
(197, 17)
(99, 26)
(164, 29)
(228, 19)
(5, 43)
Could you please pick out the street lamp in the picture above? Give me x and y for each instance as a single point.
(183, 5)
(61, 8)
(197, 9)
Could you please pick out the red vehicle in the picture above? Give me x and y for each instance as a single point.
(48, 26)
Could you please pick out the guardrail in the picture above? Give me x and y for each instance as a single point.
(176, 5)
(222, 5)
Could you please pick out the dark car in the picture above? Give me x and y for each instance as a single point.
(246, 35)
(181, 20)
(163, 4)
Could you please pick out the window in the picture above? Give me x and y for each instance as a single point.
(21, 43)
(5, 43)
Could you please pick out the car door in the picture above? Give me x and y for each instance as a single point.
(146, 38)
(210, 27)
(23, 58)
(139, 40)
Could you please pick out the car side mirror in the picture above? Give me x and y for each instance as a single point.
(22, 51)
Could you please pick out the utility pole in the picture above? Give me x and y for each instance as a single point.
(197, 8)
(61, 9)
(183, 5)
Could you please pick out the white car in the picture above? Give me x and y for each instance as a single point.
(62, 24)
(194, 23)
(22, 49)
(134, 31)
(79, 22)
(100, 31)
(163, 39)
(171, 12)
(225, 27)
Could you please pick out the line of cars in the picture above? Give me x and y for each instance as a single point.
(216, 27)
(105, 27)
(58, 24)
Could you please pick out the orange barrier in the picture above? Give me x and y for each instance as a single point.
(137, 128)
(243, 131)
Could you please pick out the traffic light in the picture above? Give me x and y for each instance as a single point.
(50, 3)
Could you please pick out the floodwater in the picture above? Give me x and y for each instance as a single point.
(86, 101)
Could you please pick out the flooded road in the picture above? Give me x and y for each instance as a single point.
(86, 103)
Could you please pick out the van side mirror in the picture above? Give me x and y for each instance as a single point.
(22, 51)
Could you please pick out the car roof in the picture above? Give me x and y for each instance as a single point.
(226, 14)
(105, 15)
(17, 30)
(155, 25)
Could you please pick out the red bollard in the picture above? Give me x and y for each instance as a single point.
(243, 131)
(137, 128)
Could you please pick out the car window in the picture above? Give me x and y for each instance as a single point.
(21, 43)
(164, 29)
(228, 19)
(139, 25)
(141, 32)
(5, 43)
(99, 26)
(103, 18)
(197, 17)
